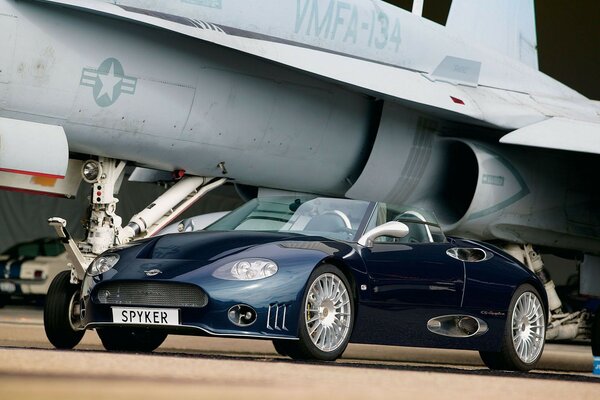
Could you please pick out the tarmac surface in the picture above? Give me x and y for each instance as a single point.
(187, 367)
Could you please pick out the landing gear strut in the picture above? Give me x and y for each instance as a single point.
(63, 316)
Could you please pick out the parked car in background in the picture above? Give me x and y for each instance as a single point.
(26, 270)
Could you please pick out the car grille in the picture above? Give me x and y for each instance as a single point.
(151, 294)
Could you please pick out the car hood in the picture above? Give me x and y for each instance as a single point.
(209, 246)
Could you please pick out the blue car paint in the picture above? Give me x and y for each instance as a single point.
(285, 288)
(418, 288)
(492, 284)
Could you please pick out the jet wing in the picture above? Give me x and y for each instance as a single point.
(560, 134)
(377, 79)
(441, 96)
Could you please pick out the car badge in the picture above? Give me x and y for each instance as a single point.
(153, 272)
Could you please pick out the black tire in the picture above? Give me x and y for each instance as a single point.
(4, 300)
(282, 347)
(58, 319)
(305, 349)
(134, 340)
(596, 334)
(507, 358)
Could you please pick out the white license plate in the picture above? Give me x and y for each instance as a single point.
(145, 316)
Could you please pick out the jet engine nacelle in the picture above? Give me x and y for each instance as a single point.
(490, 191)
(481, 189)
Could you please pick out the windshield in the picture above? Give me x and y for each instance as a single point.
(329, 217)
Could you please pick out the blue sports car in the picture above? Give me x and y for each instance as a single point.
(311, 274)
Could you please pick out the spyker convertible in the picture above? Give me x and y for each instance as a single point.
(311, 274)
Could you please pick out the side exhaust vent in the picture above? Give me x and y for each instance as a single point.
(458, 326)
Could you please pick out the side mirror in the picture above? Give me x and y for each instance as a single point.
(393, 228)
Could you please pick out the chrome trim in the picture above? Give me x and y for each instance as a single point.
(283, 323)
(453, 252)
(447, 325)
(392, 228)
(269, 318)
(464, 288)
(239, 306)
(93, 325)
(277, 324)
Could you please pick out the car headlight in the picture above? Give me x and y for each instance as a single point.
(249, 269)
(102, 264)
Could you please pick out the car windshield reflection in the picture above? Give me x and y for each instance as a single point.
(340, 219)
(329, 217)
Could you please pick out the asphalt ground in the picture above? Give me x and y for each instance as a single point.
(202, 367)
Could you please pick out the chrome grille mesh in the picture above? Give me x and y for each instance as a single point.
(151, 294)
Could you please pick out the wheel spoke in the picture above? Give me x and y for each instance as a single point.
(314, 328)
(339, 295)
(319, 332)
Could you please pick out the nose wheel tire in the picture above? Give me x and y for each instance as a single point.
(61, 313)
(524, 334)
(326, 318)
(135, 340)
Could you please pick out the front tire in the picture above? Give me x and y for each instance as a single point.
(326, 318)
(282, 347)
(524, 334)
(135, 340)
(61, 317)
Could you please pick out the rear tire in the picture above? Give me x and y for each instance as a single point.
(596, 334)
(60, 322)
(134, 340)
(524, 333)
(326, 318)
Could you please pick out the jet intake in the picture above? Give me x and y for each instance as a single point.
(466, 183)
(411, 164)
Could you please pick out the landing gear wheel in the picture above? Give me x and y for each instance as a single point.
(61, 312)
(135, 340)
(524, 334)
(596, 334)
(327, 317)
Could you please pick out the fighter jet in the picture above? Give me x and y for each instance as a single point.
(354, 98)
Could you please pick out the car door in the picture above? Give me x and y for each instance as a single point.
(408, 285)
(414, 274)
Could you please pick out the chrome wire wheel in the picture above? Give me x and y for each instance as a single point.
(328, 312)
(528, 327)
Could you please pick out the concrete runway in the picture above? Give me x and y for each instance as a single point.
(197, 367)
